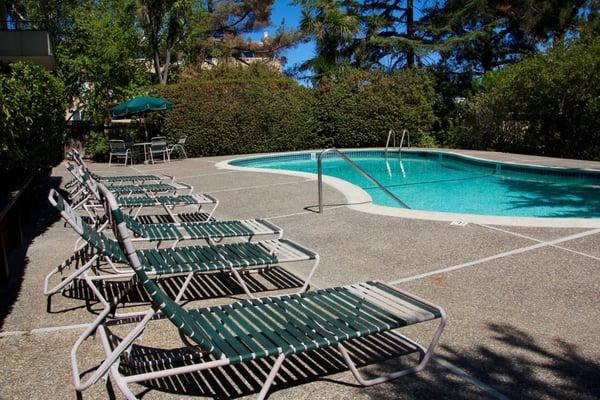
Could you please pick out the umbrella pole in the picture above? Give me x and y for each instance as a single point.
(145, 126)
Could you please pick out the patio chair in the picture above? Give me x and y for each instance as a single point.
(158, 147)
(273, 328)
(188, 260)
(179, 146)
(118, 149)
(108, 179)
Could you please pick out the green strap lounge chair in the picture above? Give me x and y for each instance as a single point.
(188, 260)
(88, 197)
(269, 328)
(108, 180)
(128, 189)
(211, 231)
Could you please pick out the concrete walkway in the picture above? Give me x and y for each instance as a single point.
(523, 318)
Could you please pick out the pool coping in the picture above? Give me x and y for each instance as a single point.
(360, 200)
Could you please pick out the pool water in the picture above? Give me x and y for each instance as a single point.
(437, 181)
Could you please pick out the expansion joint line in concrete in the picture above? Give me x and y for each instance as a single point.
(496, 256)
(539, 241)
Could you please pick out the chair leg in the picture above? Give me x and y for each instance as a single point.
(242, 283)
(425, 356)
(271, 377)
(109, 159)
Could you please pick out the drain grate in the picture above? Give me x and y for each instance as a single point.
(459, 222)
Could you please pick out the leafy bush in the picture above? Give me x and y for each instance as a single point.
(358, 108)
(32, 119)
(548, 104)
(243, 110)
(97, 147)
(247, 110)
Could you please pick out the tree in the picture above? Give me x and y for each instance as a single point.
(197, 31)
(99, 52)
(333, 27)
(546, 104)
(32, 125)
(164, 24)
(482, 35)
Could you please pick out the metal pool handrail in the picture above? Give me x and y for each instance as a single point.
(356, 167)
(392, 134)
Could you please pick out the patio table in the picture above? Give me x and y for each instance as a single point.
(146, 146)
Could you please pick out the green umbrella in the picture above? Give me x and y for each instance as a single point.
(140, 105)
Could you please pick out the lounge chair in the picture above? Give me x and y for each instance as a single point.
(210, 230)
(89, 197)
(132, 188)
(136, 179)
(188, 260)
(265, 328)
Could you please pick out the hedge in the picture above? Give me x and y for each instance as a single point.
(548, 104)
(250, 110)
(358, 108)
(32, 119)
(239, 112)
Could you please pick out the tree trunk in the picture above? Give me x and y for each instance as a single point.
(410, 54)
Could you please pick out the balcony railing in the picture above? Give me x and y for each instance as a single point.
(22, 25)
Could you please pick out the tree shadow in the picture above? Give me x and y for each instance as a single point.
(530, 370)
(560, 200)
(40, 218)
(513, 363)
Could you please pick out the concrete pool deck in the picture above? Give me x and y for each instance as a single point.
(523, 319)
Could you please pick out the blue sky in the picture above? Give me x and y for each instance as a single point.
(285, 11)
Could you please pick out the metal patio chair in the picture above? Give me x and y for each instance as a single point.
(158, 147)
(118, 149)
(179, 146)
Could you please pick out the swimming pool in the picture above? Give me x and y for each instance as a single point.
(447, 182)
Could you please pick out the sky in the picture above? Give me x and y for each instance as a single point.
(288, 13)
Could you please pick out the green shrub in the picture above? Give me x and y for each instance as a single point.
(97, 147)
(234, 111)
(548, 104)
(32, 119)
(358, 108)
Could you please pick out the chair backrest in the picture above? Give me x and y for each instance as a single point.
(117, 146)
(88, 180)
(182, 140)
(89, 234)
(77, 157)
(158, 143)
(72, 168)
(160, 301)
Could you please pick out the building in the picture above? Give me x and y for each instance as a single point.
(25, 41)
